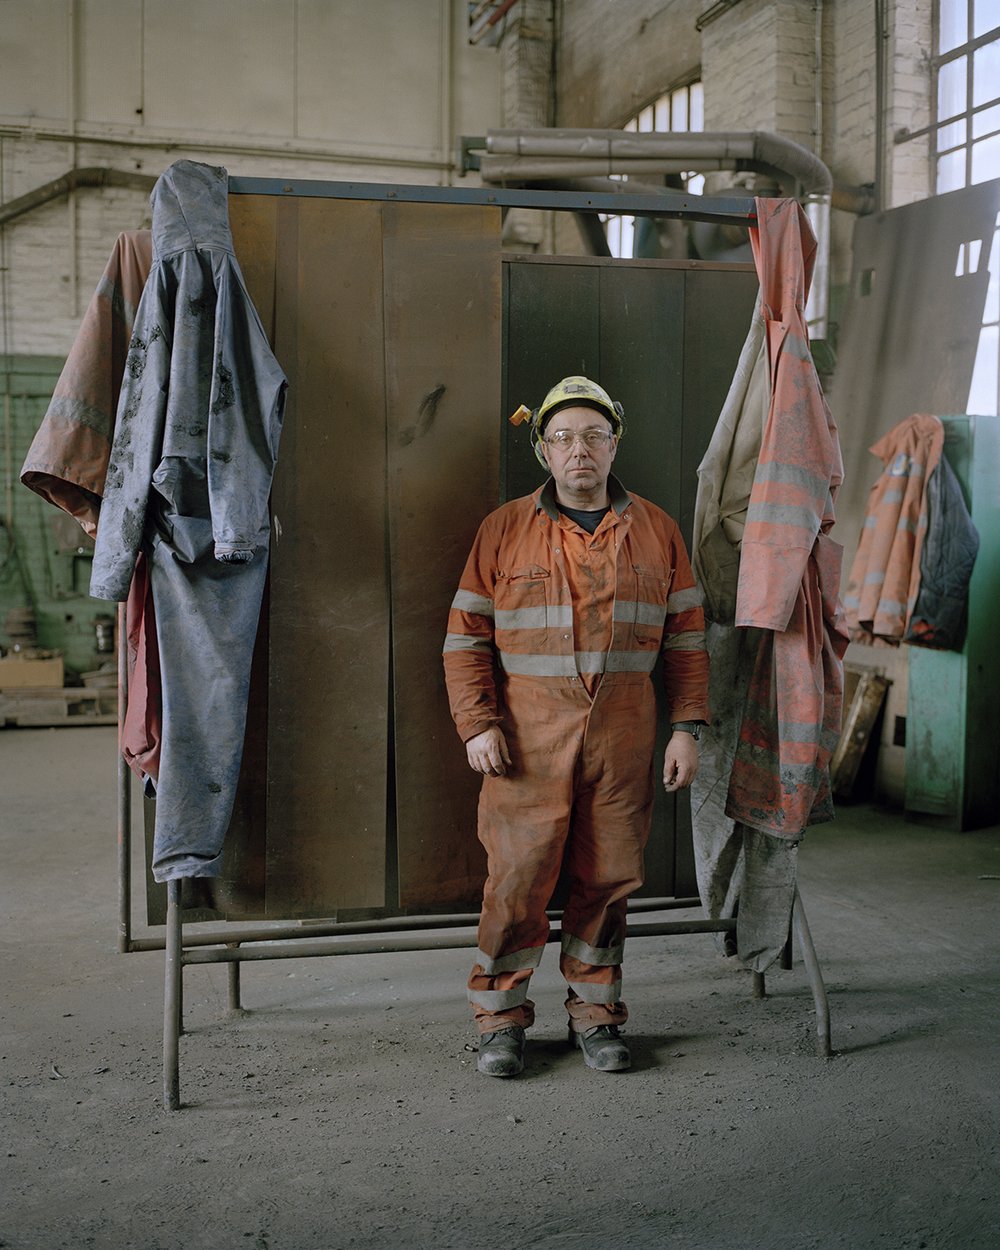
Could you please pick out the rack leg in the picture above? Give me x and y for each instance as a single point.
(172, 980)
(758, 988)
(233, 971)
(815, 976)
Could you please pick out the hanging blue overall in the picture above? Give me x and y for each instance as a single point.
(196, 438)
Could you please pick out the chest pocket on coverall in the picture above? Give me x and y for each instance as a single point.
(522, 588)
(652, 586)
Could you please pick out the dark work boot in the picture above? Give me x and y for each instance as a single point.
(502, 1053)
(603, 1048)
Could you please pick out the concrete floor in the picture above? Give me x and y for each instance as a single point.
(344, 1109)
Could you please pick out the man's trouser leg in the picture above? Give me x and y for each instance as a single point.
(523, 823)
(579, 762)
(610, 827)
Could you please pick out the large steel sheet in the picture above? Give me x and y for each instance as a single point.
(442, 307)
(910, 328)
(329, 612)
(241, 888)
(397, 339)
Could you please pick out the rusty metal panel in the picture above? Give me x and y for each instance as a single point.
(329, 612)
(442, 350)
(240, 889)
(253, 220)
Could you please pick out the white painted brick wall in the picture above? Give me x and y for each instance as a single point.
(39, 248)
(908, 173)
(53, 256)
(758, 66)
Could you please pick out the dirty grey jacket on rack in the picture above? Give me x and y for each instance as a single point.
(741, 871)
(196, 440)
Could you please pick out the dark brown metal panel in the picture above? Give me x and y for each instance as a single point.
(442, 351)
(239, 892)
(552, 329)
(253, 220)
(642, 337)
(329, 615)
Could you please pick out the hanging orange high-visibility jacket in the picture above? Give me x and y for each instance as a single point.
(789, 576)
(553, 635)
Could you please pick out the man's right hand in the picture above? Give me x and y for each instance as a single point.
(488, 752)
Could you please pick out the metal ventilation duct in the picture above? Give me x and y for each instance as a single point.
(522, 157)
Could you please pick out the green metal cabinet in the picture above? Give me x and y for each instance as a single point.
(953, 715)
(45, 557)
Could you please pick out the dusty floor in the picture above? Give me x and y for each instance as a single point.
(344, 1109)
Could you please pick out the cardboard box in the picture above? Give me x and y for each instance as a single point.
(18, 671)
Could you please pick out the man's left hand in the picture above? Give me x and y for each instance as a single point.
(680, 763)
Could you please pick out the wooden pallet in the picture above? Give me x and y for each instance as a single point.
(52, 706)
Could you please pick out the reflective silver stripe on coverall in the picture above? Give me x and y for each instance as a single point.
(196, 440)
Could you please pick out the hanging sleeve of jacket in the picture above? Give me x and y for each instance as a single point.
(67, 462)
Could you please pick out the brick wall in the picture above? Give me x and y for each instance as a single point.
(759, 69)
(354, 91)
(908, 172)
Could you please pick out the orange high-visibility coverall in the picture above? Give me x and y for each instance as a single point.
(885, 575)
(789, 579)
(552, 636)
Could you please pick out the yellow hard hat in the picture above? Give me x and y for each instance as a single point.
(575, 390)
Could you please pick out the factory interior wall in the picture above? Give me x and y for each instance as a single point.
(295, 96)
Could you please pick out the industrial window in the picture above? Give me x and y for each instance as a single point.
(681, 108)
(966, 148)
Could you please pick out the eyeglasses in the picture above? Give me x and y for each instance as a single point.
(591, 439)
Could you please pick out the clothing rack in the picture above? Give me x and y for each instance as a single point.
(234, 945)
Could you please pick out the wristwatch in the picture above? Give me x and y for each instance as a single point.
(692, 727)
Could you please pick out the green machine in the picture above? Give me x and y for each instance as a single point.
(45, 557)
(953, 715)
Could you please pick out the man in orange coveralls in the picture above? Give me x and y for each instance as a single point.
(568, 598)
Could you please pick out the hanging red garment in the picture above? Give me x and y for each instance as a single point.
(789, 574)
(67, 464)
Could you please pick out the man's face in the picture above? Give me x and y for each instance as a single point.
(580, 471)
